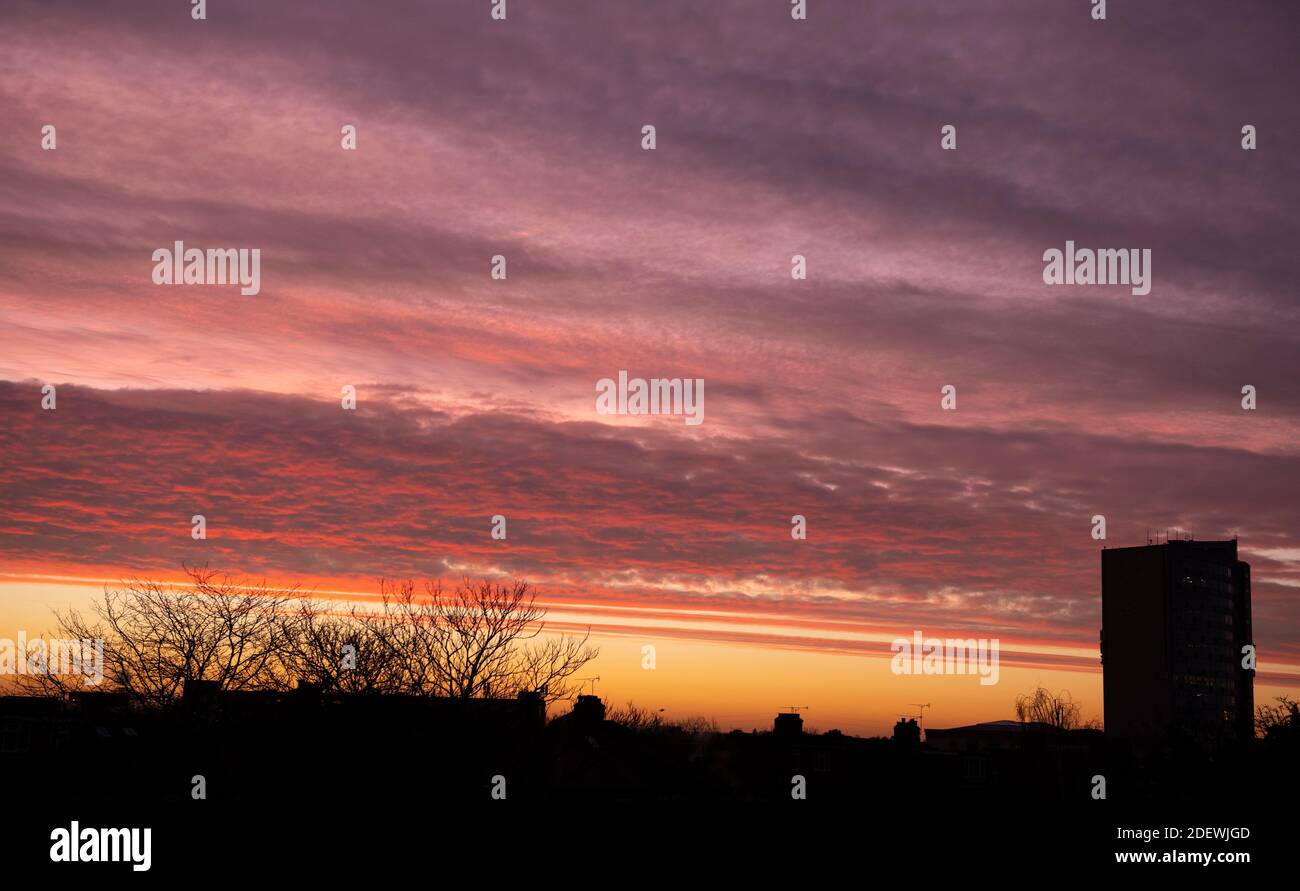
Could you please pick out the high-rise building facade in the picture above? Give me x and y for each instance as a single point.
(1175, 624)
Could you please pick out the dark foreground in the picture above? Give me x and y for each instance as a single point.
(298, 784)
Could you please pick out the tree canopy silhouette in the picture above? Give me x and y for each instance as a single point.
(480, 639)
(1057, 711)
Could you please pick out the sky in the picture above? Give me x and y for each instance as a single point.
(476, 397)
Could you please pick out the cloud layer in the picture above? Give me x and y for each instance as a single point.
(521, 138)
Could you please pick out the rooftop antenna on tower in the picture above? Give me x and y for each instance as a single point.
(593, 684)
(922, 706)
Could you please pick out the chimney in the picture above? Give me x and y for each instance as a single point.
(788, 724)
(907, 733)
(199, 696)
(589, 711)
(532, 705)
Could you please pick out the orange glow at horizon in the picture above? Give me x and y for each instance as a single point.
(739, 683)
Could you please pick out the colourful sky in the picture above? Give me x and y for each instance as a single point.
(477, 397)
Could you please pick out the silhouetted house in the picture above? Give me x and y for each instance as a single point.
(445, 716)
(100, 702)
(90, 747)
(1175, 619)
(1002, 735)
(589, 756)
(1015, 760)
(31, 725)
(833, 765)
(532, 707)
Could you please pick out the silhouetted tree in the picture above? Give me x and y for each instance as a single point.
(338, 653)
(157, 635)
(480, 639)
(1056, 710)
(634, 717)
(1279, 723)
